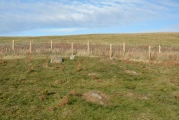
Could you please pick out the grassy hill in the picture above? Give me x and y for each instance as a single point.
(33, 88)
(137, 45)
(142, 39)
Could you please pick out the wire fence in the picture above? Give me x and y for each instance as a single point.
(123, 51)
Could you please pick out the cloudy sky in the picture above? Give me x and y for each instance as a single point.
(68, 17)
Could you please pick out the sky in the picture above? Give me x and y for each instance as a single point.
(72, 17)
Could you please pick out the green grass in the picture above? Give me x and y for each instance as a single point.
(136, 45)
(151, 94)
(170, 39)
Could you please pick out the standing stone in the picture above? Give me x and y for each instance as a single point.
(111, 58)
(72, 57)
(56, 59)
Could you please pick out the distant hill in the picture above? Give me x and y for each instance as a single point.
(135, 38)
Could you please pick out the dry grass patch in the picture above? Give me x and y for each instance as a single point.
(136, 96)
(94, 76)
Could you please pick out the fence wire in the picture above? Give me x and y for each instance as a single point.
(136, 52)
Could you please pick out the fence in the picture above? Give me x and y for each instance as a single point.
(123, 51)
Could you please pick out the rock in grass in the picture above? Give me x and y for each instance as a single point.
(56, 59)
(131, 72)
(111, 58)
(96, 97)
(72, 57)
(137, 96)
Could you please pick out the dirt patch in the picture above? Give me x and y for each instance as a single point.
(97, 97)
(74, 93)
(64, 101)
(94, 75)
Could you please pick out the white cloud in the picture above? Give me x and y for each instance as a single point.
(58, 30)
(23, 16)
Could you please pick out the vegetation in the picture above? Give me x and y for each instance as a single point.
(135, 88)
(33, 88)
(116, 39)
(137, 46)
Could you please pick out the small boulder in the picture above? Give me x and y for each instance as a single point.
(131, 72)
(72, 57)
(137, 96)
(56, 59)
(96, 97)
(111, 58)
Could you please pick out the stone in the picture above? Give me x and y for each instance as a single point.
(72, 57)
(96, 97)
(131, 72)
(111, 58)
(137, 96)
(56, 59)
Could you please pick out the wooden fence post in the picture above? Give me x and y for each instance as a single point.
(13, 44)
(51, 44)
(159, 49)
(124, 48)
(88, 47)
(30, 47)
(110, 53)
(72, 51)
(149, 53)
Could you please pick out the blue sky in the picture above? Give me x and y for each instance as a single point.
(69, 17)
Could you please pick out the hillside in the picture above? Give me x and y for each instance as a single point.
(140, 38)
(32, 88)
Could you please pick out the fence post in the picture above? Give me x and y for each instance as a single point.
(149, 53)
(13, 44)
(72, 51)
(110, 53)
(51, 44)
(124, 48)
(30, 47)
(159, 49)
(88, 47)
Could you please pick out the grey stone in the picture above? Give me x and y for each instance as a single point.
(96, 97)
(72, 57)
(131, 72)
(56, 59)
(111, 58)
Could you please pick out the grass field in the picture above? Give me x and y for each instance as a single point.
(137, 46)
(117, 39)
(33, 88)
